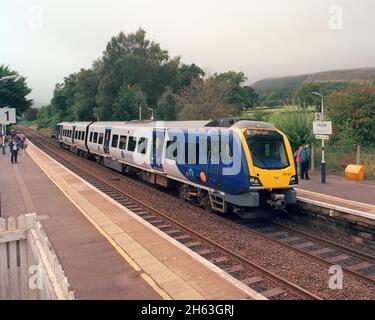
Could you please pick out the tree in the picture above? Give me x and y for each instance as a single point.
(243, 97)
(85, 92)
(187, 73)
(204, 100)
(13, 92)
(128, 102)
(304, 97)
(31, 114)
(64, 97)
(47, 117)
(296, 124)
(133, 60)
(167, 106)
(352, 112)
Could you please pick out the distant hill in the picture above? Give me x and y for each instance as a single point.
(278, 90)
(350, 75)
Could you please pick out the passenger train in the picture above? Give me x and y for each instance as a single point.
(223, 165)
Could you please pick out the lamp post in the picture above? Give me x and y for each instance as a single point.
(323, 170)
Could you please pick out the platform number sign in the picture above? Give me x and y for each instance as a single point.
(318, 116)
(7, 116)
(322, 127)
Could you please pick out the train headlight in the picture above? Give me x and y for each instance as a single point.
(254, 181)
(294, 180)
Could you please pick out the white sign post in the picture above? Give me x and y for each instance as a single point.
(322, 127)
(322, 136)
(7, 116)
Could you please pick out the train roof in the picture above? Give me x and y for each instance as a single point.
(153, 124)
(223, 123)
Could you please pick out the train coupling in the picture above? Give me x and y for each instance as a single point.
(277, 201)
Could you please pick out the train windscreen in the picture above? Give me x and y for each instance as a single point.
(267, 149)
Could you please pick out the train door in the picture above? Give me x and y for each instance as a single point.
(158, 141)
(107, 138)
(73, 133)
(213, 160)
(59, 132)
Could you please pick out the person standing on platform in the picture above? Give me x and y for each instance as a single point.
(14, 146)
(305, 162)
(297, 158)
(3, 140)
(24, 144)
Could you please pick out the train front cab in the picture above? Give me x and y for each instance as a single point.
(272, 172)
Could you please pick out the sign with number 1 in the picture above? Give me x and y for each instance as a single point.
(7, 116)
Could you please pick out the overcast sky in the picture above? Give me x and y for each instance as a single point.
(46, 40)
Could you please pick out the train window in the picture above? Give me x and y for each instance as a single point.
(91, 134)
(75, 134)
(70, 133)
(83, 135)
(123, 142)
(114, 141)
(100, 140)
(142, 145)
(132, 143)
(267, 150)
(95, 139)
(171, 150)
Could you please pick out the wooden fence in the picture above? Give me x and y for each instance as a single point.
(29, 267)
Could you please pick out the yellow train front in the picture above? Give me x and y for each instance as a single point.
(272, 171)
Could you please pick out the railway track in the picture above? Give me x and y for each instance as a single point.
(265, 282)
(358, 264)
(251, 274)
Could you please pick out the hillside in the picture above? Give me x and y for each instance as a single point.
(291, 82)
(278, 91)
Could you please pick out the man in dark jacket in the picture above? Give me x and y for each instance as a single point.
(14, 146)
(305, 161)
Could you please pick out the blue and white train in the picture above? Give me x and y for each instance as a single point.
(223, 165)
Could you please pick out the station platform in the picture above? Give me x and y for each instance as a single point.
(339, 191)
(106, 251)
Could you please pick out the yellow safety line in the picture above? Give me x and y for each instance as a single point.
(121, 251)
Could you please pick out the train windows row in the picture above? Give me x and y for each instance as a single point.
(131, 142)
(67, 133)
(192, 151)
(96, 137)
(79, 135)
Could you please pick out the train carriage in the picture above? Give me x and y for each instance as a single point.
(223, 165)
